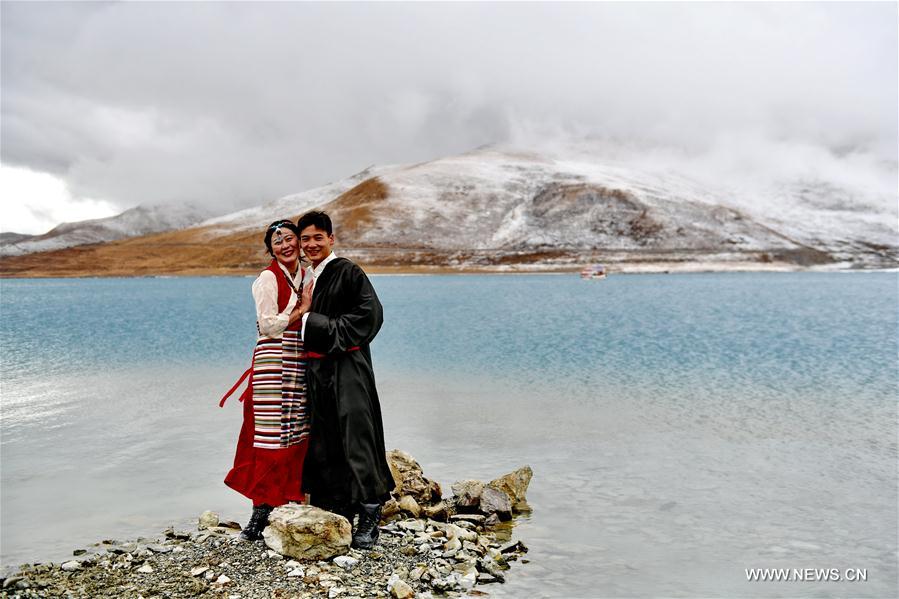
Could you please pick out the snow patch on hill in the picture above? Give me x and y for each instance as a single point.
(141, 220)
(290, 206)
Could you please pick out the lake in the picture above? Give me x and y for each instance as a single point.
(681, 428)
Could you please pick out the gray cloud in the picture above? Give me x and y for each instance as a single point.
(231, 104)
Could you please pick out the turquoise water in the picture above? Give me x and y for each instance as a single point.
(681, 428)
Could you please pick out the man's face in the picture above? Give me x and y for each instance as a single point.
(316, 243)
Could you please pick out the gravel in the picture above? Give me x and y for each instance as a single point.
(424, 555)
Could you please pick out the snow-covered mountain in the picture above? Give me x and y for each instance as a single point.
(503, 208)
(497, 204)
(137, 221)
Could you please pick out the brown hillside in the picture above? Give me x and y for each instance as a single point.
(354, 209)
(195, 251)
(191, 251)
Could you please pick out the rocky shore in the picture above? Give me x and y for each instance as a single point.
(429, 547)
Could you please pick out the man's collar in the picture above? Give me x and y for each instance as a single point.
(321, 265)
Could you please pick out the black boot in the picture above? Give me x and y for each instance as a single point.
(366, 534)
(258, 521)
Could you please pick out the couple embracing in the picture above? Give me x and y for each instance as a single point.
(312, 428)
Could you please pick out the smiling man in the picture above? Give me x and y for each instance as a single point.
(346, 469)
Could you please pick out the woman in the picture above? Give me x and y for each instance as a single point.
(268, 464)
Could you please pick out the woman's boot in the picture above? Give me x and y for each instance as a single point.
(257, 523)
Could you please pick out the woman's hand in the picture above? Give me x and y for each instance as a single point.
(303, 305)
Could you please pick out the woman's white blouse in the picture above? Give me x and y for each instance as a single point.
(265, 293)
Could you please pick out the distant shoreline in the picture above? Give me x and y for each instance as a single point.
(614, 270)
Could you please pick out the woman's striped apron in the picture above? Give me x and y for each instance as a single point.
(274, 436)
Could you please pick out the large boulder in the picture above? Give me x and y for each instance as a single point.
(494, 501)
(410, 479)
(307, 532)
(515, 485)
(467, 494)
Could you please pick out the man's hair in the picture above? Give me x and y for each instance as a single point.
(318, 219)
(278, 224)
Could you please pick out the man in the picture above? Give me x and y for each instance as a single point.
(346, 469)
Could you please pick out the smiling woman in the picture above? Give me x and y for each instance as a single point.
(268, 464)
(37, 202)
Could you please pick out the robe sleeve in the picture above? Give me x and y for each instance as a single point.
(356, 327)
(265, 294)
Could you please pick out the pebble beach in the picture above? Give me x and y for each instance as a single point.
(414, 558)
(429, 546)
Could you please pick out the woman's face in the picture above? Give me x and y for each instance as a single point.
(286, 247)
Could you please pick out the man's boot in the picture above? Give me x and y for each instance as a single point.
(257, 523)
(366, 534)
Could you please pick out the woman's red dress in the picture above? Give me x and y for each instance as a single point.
(268, 463)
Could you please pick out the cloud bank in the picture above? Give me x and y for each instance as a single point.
(232, 104)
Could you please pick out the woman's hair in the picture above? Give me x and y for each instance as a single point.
(278, 224)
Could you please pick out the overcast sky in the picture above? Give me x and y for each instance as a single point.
(233, 104)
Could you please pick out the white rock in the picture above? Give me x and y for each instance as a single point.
(208, 520)
(222, 580)
(145, 569)
(273, 554)
(335, 591)
(345, 561)
(469, 579)
(297, 572)
(209, 575)
(400, 589)
(450, 582)
(454, 531)
(408, 504)
(71, 566)
(412, 525)
(292, 563)
(197, 571)
(307, 532)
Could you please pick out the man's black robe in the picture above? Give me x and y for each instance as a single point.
(345, 462)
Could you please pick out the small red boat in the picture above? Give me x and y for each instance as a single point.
(594, 271)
